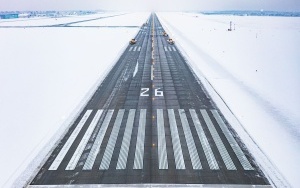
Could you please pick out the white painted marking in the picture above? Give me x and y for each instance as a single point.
(134, 49)
(112, 141)
(236, 148)
(136, 68)
(166, 49)
(126, 141)
(190, 141)
(139, 149)
(162, 149)
(139, 49)
(144, 92)
(152, 75)
(96, 146)
(179, 161)
(170, 49)
(204, 142)
(224, 153)
(76, 156)
(158, 93)
(130, 48)
(174, 49)
(69, 142)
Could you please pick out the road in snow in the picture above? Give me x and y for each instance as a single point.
(256, 70)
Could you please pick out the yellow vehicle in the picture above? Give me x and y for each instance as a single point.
(170, 41)
(132, 41)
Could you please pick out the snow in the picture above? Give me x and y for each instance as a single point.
(255, 69)
(45, 21)
(133, 19)
(46, 76)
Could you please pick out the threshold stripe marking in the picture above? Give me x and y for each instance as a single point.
(174, 49)
(130, 48)
(70, 141)
(170, 49)
(76, 156)
(162, 150)
(126, 141)
(179, 161)
(222, 150)
(204, 142)
(166, 49)
(112, 141)
(139, 150)
(190, 140)
(139, 49)
(134, 49)
(96, 146)
(236, 148)
(136, 68)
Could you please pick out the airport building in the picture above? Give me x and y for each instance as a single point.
(8, 16)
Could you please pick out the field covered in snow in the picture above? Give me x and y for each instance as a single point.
(255, 69)
(46, 75)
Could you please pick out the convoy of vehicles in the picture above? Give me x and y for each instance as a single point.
(170, 41)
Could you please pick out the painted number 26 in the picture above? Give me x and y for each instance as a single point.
(157, 92)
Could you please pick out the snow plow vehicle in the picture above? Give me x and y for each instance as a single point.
(170, 41)
(132, 41)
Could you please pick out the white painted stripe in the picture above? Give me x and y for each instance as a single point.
(130, 48)
(70, 141)
(112, 141)
(224, 153)
(204, 142)
(136, 68)
(170, 49)
(166, 49)
(162, 149)
(126, 141)
(152, 74)
(190, 141)
(236, 148)
(174, 49)
(76, 156)
(134, 49)
(139, 150)
(96, 146)
(179, 161)
(139, 49)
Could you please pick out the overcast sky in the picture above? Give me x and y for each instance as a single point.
(158, 5)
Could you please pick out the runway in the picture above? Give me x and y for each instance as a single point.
(150, 123)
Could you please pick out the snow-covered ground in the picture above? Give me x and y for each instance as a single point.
(46, 74)
(255, 69)
(45, 21)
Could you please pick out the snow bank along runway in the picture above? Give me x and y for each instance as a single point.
(150, 121)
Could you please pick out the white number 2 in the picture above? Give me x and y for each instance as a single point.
(143, 93)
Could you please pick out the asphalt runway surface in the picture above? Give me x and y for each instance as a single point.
(150, 122)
